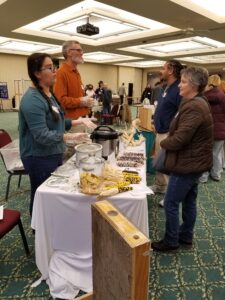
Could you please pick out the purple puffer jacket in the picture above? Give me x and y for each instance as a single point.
(216, 99)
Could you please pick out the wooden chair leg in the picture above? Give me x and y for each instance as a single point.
(19, 181)
(23, 238)
(88, 296)
(7, 188)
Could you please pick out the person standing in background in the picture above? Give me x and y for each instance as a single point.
(156, 92)
(216, 99)
(90, 90)
(68, 87)
(166, 108)
(122, 93)
(99, 91)
(106, 99)
(147, 93)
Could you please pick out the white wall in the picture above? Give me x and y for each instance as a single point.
(93, 73)
(130, 75)
(13, 70)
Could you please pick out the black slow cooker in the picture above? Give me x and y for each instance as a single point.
(108, 138)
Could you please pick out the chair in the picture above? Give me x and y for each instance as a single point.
(116, 113)
(11, 218)
(5, 139)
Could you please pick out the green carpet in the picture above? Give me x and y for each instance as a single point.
(198, 273)
(185, 275)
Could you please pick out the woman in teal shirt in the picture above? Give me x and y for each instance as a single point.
(42, 124)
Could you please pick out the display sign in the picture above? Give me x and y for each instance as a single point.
(4, 90)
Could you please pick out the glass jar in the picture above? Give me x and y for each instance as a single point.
(91, 164)
(90, 169)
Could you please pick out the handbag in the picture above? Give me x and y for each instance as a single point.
(158, 162)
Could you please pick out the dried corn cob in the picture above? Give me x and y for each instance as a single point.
(120, 184)
(132, 178)
(125, 189)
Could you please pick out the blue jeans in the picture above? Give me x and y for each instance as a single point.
(39, 168)
(182, 188)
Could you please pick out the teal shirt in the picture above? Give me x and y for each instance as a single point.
(39, 134)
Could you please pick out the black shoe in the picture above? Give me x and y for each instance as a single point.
(186, 244)
(163, 246)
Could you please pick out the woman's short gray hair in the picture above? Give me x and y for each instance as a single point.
(198, 76)
(66, 45)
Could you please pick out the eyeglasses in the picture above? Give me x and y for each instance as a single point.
(50, 68)
(77, 49)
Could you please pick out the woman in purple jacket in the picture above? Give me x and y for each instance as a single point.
(216, 99)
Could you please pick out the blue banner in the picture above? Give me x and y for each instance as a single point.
(4, 90)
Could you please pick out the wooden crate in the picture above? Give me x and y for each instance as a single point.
(120, 256)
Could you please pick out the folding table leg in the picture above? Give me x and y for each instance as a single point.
(23, 237)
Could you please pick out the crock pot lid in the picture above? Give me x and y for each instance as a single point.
(104, 134)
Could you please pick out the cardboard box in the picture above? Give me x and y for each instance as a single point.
(145, 116)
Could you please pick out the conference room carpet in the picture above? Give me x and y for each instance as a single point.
(193, 274)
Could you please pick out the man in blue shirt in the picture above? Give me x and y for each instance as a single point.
(166, 109)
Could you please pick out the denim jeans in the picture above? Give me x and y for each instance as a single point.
(182, 188)
(39, 169)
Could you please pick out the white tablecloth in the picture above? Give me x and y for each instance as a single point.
(63, 237)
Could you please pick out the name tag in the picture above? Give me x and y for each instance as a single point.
(55, 109)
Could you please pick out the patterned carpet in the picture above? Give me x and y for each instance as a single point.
(198, 273)
(185, 275)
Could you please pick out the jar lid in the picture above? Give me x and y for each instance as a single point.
(88, 148)
(91, 160)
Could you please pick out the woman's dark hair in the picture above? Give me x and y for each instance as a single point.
(34, 64)
(176, 66)
(99, 83)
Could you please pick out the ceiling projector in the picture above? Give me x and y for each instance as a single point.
(88, 29)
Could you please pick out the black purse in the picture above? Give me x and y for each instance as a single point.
(159, 160)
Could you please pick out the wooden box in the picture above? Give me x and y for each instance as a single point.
(145, 116)
(120, 256)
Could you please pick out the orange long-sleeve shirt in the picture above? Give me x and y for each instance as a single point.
(68, 89)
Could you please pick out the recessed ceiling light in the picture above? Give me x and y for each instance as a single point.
(25, 47)
(115, 24)
(103, 57)
(177, 47)
(212, 9)
(143, 64)
(205, 59)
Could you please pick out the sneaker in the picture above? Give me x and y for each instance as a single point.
(214, 178)
(186, 244)
(161, 203)
(156, 189)
(163, 246)
(202, 180)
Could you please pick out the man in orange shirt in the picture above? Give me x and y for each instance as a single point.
(69, 88)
